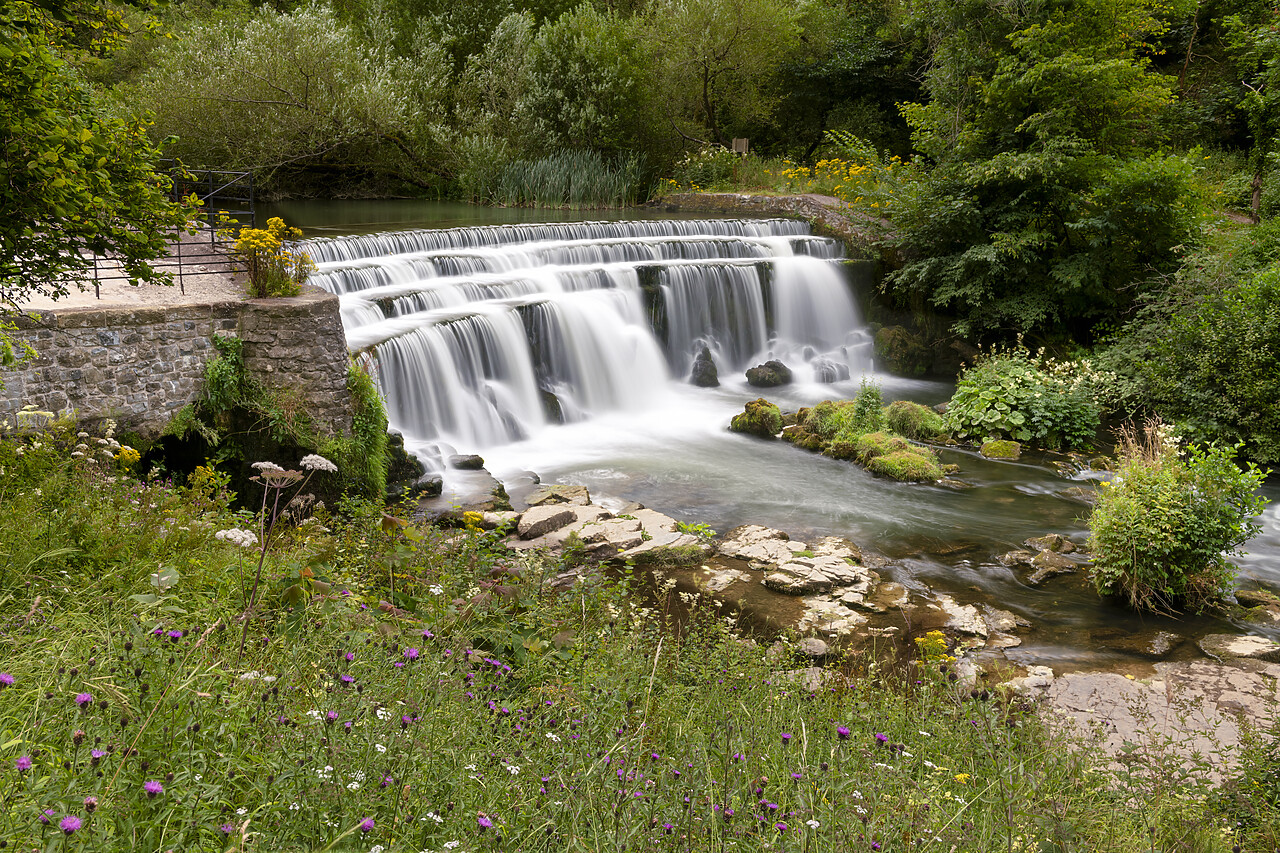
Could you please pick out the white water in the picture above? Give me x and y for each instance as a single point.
(471, 328)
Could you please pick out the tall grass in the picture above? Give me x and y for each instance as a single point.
(476, 708)
(573, 179)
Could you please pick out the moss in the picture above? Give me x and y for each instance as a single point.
(906, 466)
(805, 440)
(914, 421)
(1001, 449)
(875, 444)
(760, 417)
(845, 450)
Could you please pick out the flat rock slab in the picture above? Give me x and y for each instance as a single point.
(1191, 713)
(541, 520)
(809, 575)
(1228, 646)
(557, 494)
(758, 544)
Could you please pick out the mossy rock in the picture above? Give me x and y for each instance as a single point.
(906, 466)
(875, 444)
(1002, 449)
(914, 421)
(802, 438)
(845, 450)
(802, 415)
(760, 417)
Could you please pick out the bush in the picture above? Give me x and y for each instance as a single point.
(1010, 394)
(845, 420)
(914, 421)
(1161, 531)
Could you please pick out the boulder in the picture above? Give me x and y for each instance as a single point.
(771, 374)
(1007, 451)
(760, 418)
(541, 520)
(704, 374)
(828, 371)
(1016, 558)
(494, 520)
(758, 544)
(809, 575)
(466, 462)
(1228, 646)
(557, 494)
(1048, 564)
(1154, 645)
(611, 536)
(812, 647)
(1055, 542)
(962, 618)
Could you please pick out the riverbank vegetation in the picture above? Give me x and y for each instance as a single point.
(177, 674)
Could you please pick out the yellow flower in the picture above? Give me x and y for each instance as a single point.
(963, 778)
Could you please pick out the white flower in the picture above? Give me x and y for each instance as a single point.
(383, 714)
(316, 462)
(377, 848)
(353, 786)
(436, 818)
(812, 824)
(553, 736)
(513, 769)
(242, 811)
(450, 845)
(379, 747)
(436, 589)
(293, 807)
(470, 767)
(267, 466)
(315, 715)
(197, 777)
(242, 538)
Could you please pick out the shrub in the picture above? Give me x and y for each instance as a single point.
(1161, 531)
(845, 420)
(1011, 394)
(914, 421)
(706, 167)
(274, 269)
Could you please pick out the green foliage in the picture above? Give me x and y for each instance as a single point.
(576, 180)
(362, 459)
(847, 419)
(706, 167)
(896, 458)
(702, 531)
(1161, 531)
(274, 269)
(77, 180)
(916, 422)
(1009, 394)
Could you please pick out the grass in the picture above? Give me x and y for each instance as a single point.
(569, 179)
(404, 688)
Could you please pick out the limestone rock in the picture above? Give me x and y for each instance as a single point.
(1154, 645)
(759, 418)
(962, 618)
(1048, 564)
(467, 462)
(1055, 542)
(558, 494)
(758, 544)
(1037, 678)
(718, 581)
(1016, 558)
(1228, 646)
(769, 375)
(808, 575)
(828, 371)
(812, 647)
(541, 520)
(704, 373)
(494, 520)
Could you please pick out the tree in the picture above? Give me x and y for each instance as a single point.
(77, 180)
(715, 58)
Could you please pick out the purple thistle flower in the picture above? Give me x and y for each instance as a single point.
(350, 656)
(786, 738)
(875, 845)
(331, 717)
(426, 632)
(45, 816)
(70, 824)
(882, 737)
(346, 679)
(366, 825)
(781, 827)
(842, 732)
(23, 763)
(411, 654)
(6, 680)
(97, 754)
(174, 636)
(484, 822)
(84, 699)
(90, 804)
(152, 787)
(227, 828)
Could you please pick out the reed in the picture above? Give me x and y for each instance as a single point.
(576, 180)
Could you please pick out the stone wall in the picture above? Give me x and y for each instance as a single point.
(828, 216)
(139, 366)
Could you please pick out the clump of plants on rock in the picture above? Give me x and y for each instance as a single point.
(1162, 530)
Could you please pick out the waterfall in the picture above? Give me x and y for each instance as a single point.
(483, 336)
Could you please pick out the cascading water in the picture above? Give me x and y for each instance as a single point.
(486, 336)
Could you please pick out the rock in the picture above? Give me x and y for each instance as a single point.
(1055, 542)
(402, 469)
(902, 352)
(712, 580)
(551, 406)
(812, 647)
(812, 679)
(557, 494)
(1257, 598)
(467, 462)
(808, 575)
(962, 618)
(1016, 558)
(541, 520)
(1002, 620)
(760, 418)
(1081, 494)
(494, 520)
(1037, 678)
(828, 371)
(1007, 451)
(953, 484)
(1047, 565)
(758, 544)
(771, 374)
(802, 438)
(704, 374)
(837, 546)
(886, 597)
(1228, 646)
(829, 617)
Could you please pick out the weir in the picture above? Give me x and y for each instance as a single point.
(483, 336)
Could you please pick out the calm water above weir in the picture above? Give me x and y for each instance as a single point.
(487, 337)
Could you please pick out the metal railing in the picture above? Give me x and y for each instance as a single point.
(227, 200)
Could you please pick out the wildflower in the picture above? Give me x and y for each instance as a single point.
(882, 737)
(411, 654)
(963, 778)
(484, 822)
(331, 717)
(237, 537)
(366, 825)
(346, 679)
(90, 804)
(267, 466)
(84, 700)
(786, 738)
(69, 824)
(153, 788)
(23, 763)
(316, 462)
(44, 816)
(6, 680)
(842, 732)
(812, 824)
(227, 828)
(781, 827)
